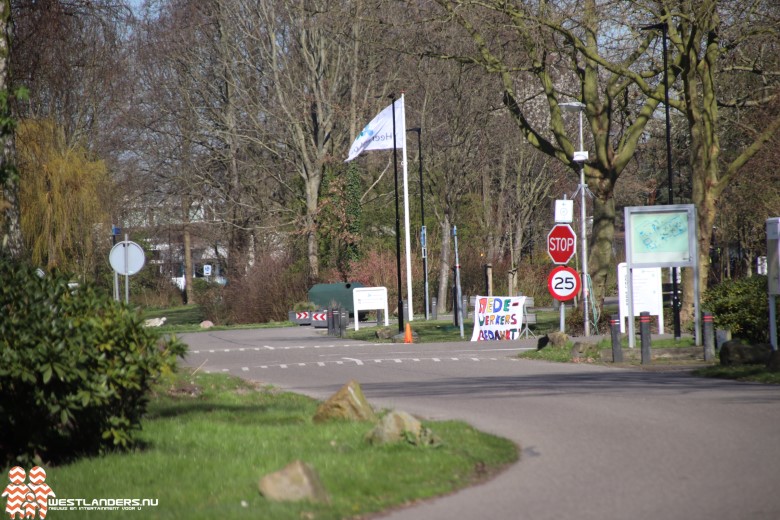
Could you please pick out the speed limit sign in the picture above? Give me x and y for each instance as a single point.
(563, 283)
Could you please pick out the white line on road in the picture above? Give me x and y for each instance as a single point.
(357, 361)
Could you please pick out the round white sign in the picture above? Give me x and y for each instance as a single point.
(127, 258)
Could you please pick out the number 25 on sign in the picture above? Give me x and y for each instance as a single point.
(563, 283)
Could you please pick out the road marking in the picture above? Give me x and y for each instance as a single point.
(269, 347)
(358, 362)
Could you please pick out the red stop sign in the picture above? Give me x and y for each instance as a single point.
(561, 243)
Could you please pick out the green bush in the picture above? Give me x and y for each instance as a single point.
(742, 306)
(75, 368)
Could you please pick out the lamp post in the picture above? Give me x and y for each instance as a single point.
(664, 28)
(580, 157)
(423, 231)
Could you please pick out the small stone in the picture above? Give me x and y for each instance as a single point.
(206, 324)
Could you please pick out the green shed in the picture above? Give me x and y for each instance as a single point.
(325, 295)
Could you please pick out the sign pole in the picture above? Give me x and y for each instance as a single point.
(563, 317)
(127, 275)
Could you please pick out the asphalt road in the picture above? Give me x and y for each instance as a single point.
(597, 442)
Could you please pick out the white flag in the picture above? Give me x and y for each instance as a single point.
(378, 134)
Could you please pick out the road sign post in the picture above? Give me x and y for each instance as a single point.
(563, 283)
(561, 243)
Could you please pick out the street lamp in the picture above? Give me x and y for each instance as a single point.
(664, 28)
(580, 157)
(423, 231)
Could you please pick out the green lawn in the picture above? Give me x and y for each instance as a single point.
(203, 456)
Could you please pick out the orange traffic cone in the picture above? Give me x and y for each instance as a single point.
(408, 334)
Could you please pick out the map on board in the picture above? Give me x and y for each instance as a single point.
(660, 233)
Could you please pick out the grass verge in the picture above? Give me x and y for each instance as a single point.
(753, 373)
(187, 318)
(208, 439)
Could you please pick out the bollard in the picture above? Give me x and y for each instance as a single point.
(380, 317)
(709, 336)
(344, 323)
(331, 326)
(617, 349)
(435, 308)
(464, 306)
(644, 335)
(337, 321)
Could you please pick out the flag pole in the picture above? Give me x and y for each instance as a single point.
(407, 233)
(397, 228)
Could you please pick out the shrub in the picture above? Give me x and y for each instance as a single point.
(75, 368)
(267, 291)
(742, 306)
(210, 296)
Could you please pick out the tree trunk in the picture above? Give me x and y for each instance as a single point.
(189, 294)
(312, 240)
(444, 265)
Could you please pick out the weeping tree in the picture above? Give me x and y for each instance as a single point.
(63, 196)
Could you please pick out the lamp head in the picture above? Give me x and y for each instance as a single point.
(574, 106)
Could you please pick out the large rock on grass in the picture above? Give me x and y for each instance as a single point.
(557, 339)
(734, 352)
(348, 404)
(398, 426)
(295, 482)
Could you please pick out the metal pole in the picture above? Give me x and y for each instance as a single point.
(423, 230)
(127, 275)
(397, 229)
(457, 280)
(580, 157)
(584, 229)
(675, 291)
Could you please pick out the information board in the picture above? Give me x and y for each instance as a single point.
(648, 294)
(369, 299)
(661, 236)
